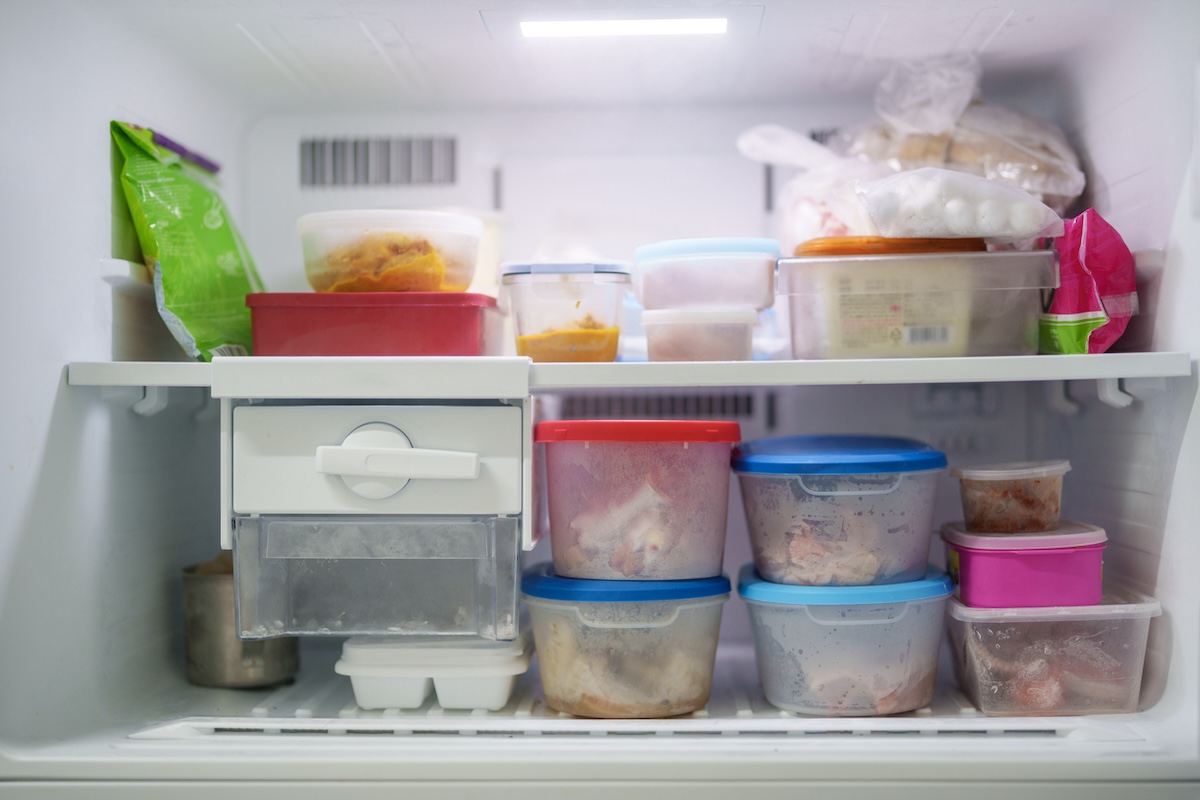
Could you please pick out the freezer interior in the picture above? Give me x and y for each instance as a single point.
(568, 149)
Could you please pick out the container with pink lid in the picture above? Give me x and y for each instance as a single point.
(1061, 567)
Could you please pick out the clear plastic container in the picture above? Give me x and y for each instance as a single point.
(706, 334)
(707, 273)
(847, 651)
(1019, 497)
(637, 499)
(387, 672)
(839, 510)
(1062, 567)
(1053, 661)
(625, 649)
(566, 311)
(389, 250)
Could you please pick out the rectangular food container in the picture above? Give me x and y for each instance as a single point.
(847, 650)
(353, 575)
(1019, 497)
(375, 324)
(707, 273)
(637, 499)
(1056, 661)
(388, 672)
(566, 311)
(624, 649)
(1062, 567)
(699, 334)
(839, 510)
(916, 305)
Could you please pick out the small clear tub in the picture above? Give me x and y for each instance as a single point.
(566, 311)
(625, 649)
(704, 334)
(847, 651)
(1018, 497)
(707, 273)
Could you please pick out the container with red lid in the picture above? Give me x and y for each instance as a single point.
(1061, 567)
(375, 324)
(637, 499)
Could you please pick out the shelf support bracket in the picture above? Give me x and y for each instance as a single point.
(1111, 393)
(154, 400)
(1059, 399)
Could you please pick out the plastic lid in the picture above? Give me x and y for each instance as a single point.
(368, 299)
(879, 245)
(835, 455)
(1067, 534)
(564, 268)
(441, 221)
(637, 430)
(1118, 602)
(715, 246)
(541, 582)
(700, 316)
(935, 584)
(1014, 471)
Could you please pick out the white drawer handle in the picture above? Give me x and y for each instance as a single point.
(377, 460)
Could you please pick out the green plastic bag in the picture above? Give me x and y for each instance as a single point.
(201, 268)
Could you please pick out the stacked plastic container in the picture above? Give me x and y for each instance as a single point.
(626, 620)
(846, 614)
(1034, 629)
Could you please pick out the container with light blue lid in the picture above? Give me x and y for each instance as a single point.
(737, 272)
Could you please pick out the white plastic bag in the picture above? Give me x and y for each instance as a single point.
(928, 95)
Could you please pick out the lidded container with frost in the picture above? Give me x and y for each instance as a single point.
(847, 650)
(568, 311)
(389, 250)
(625, 649)
(839, 509)
(699, 334)
(707, 273)
(1018, 497)
(637, 499)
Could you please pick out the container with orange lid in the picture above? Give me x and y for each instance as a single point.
(872, 297)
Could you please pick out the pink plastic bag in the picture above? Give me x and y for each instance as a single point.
(1097, 291)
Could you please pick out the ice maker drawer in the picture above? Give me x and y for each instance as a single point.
(374, 459)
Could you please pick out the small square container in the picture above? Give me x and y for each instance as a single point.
(389, 250)
(375, 324)
(1019, 497)
(707, 273)
(387, 672)
(566, 311)
(847, 651)
(625, 649)
(637, 499)
(916, 305)
(839, 510)
(699, 334)
(1062, 567)
(1064, 660)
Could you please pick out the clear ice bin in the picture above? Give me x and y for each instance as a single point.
(399, 576)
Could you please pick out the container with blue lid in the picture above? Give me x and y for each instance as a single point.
(624, 649)
(847, 651)
(839, 510)
(707, 273)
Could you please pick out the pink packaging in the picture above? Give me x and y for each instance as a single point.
(1062, 567)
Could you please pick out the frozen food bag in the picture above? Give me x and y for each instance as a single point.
(927, 96)
(939, 203)
(1097, 289)
(201, 268)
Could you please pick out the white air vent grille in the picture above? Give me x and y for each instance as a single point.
(400, 161)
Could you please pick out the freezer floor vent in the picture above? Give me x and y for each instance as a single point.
(728, 405)
(399, 161)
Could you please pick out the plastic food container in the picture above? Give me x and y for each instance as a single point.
(388, 250)
(839, 510)
(637, 499)
(387, 672)
(566, 312)
(847, 651)
(705, 334)
(916, 304)
(1012, 498)
(1062, 567)
(1052, 661)
(707, 273)
(625, 649)
(375, 324)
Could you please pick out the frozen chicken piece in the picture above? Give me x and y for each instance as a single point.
(636, 530)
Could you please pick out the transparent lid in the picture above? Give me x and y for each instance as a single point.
(1118, 602)
(441, 650)
(700, 316)
(675, 248)
(1013, 471)
(408, 219)
(564, 268)
(1067, 534)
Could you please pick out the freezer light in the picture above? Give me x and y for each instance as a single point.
(624, 27)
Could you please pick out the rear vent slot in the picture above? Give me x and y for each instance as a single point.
(403, 161)
(731, 405)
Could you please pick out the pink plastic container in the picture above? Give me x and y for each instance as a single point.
(1062, 567)
(637, 499)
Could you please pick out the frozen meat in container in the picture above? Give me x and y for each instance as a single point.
(707, 273)
(1016, 497)
(699, 334)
